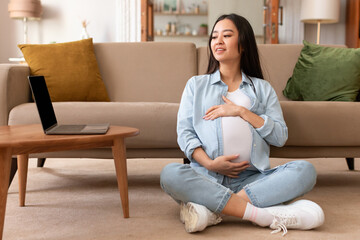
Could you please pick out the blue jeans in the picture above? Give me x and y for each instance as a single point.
(285, 183)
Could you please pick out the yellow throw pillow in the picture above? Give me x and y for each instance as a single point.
(70, 70)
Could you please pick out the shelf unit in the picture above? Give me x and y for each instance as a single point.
(182, 35)
(191, 21)
(186, 19)
(179, 14)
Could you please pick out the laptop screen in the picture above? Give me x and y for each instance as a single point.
(43, 101)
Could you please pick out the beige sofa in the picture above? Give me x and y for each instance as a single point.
(145, 82)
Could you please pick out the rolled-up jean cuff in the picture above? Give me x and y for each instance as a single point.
(251, 196)
(224, 201)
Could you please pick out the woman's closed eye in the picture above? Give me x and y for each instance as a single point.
(225, 36)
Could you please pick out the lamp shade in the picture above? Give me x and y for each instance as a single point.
(324, 11)
(30, 9)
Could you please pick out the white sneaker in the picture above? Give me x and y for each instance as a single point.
(302, 214)
(197, 217)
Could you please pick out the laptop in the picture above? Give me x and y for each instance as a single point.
(47, 115)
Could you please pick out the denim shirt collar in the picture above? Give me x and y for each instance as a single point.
(216, 77)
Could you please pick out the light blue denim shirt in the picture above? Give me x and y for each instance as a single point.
(204, 91)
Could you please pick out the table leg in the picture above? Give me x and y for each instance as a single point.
(22, 163)
(119, 154)
(13, 170)
(5, 164)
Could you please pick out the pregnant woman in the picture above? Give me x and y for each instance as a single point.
(226, 122)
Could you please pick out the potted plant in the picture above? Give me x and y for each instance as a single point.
(203, 29)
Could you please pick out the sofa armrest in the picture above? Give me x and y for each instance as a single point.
(14, 88)
(322, 123)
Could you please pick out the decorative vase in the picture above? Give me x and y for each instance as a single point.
(84, 33)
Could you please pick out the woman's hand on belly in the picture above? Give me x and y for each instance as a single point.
(225, 166)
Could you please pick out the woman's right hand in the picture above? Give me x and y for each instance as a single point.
(224, 166)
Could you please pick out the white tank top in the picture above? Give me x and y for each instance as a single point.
(237, 135)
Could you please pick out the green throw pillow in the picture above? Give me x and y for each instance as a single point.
(325, 74)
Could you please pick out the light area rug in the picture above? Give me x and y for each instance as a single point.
(79, 199)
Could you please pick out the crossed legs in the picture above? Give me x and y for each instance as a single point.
(252, 190)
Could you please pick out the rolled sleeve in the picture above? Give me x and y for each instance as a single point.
(190, 148)
(267, 128)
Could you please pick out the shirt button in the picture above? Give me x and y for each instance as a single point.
(254, 145)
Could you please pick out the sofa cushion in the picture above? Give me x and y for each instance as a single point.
(325, 74)
(202, 59)
(310, 123)
(146, 72)
(277, 63)
(70, 69)
(322, 123)
(156, 121)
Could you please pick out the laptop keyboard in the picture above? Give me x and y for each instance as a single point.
(69, 128)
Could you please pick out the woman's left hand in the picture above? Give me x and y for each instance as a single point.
(225, 110)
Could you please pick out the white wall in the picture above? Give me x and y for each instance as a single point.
(252, 10)
(8, 31)
(61, 22)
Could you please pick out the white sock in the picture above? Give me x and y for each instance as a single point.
(260, 216)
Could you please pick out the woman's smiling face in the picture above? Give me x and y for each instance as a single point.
(224, 41)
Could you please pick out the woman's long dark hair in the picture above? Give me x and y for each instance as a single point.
(249, 63)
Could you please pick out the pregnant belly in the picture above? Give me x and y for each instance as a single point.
(237, 138)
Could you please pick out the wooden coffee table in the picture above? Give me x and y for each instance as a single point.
(21, 140)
